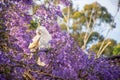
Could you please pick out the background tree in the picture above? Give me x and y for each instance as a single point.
(116, 50)
(87, 24)
(107, 50)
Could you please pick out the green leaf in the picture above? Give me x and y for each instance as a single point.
(33, 25)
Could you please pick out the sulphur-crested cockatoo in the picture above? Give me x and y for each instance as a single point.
(41, 39)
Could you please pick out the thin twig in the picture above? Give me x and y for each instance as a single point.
(28, 76)
(47, 74)
(86, 34)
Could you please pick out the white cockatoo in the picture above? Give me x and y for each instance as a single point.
(41, 39)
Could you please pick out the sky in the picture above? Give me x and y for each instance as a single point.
(111, 6)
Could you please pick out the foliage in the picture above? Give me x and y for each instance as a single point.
(95, 36)
(33, 25)
(116, 50)
(64, 61)
(108, 51)
(86, 22)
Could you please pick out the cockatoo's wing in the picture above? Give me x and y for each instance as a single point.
(44, 38)
(35, 42)
(36, 38)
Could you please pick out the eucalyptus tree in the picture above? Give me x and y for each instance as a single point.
(90, 22)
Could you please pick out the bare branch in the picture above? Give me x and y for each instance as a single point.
(103, 42)
(103, 49)
(47, 74)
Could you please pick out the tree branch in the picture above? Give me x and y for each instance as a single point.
(47, 74)
(104, 49)
(103, 43)
(67, 18)
(86, 37)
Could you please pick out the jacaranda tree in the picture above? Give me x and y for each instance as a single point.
(64, 60)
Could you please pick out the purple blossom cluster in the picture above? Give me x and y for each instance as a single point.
(66, 2)
(63, 61)
(17, 23)
(48, 14)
